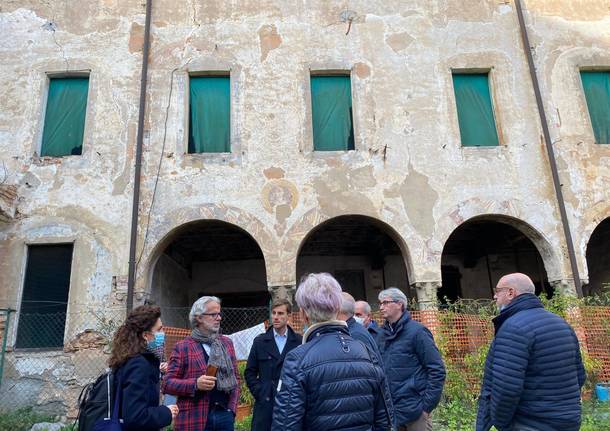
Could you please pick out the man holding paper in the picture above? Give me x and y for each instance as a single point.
(203, 374)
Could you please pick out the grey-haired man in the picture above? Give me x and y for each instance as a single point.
(412, 363)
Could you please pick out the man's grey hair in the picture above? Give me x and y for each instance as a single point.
(394, 294)
(199, 307)
(348, 304)
(367, 308)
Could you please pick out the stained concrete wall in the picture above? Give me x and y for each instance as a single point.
(408, 171)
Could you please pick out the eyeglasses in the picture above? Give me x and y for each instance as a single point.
(213, 315)
(384, 303)
(496, 290)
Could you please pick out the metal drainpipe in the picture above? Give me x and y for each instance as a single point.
(549, 149)
(131, 277)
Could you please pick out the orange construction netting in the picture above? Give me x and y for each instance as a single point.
(462, 336)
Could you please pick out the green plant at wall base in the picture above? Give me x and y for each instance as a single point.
(595, 417)
(22, 419)
(245, 397)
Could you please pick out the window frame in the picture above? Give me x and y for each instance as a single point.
(12, 337)
(308, 144)
(585, 102)
(181, 81)
(48, 76)
(489, 71)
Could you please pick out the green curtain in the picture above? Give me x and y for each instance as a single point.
(64, 121)
(597, 93)
(210, 106)
(331, 111)
(475, 111)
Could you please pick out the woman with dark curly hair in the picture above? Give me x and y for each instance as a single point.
(135, 359)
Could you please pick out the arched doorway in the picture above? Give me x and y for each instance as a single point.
(598, 258)
(210, 257)
(359, 251)
(479, 252)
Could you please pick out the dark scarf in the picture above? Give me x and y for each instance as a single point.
(219, 357)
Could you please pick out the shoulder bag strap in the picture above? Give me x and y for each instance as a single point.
(117, 397)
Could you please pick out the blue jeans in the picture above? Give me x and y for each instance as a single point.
(220, 420)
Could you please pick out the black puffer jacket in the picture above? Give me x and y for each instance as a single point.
(332, 383)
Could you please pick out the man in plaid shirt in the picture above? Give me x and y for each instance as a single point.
(206, 402)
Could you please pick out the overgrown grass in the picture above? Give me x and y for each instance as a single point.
(457, 416)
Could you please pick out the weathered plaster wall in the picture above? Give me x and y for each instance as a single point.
(80, 199)
(568, 37)
(408, 171)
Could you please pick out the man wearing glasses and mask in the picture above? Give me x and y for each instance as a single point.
(411, 361)
(202, 373)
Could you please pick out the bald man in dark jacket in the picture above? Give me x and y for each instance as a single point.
(533, 371)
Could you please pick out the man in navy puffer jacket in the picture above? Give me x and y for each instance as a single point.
(412, 363)
(533, 371)
(331, 382)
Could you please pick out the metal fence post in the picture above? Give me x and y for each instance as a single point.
(8, 312)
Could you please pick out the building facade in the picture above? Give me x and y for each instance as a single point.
(409, 201)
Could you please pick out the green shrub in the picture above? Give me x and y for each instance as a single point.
(244, 425)
(595, 416)
(245, 397)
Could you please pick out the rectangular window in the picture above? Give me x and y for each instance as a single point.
(64, 120)
(331, 112)
(597, 93)
(42, 317)
(475, 110)
(210, 114)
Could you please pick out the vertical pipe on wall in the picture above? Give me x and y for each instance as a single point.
(131, 277)
(549, 148)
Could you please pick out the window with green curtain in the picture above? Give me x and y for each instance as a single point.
(475, 110)
(42, 316)
(331, 112)
(64, 120)
(597, 93)
(210, 114)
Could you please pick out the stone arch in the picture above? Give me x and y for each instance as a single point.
(314, 220)
(505, 212)
(517, 241)
(592, 218)
(166, 229)
(598, 258)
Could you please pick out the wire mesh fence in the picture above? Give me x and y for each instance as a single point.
(49, 357)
